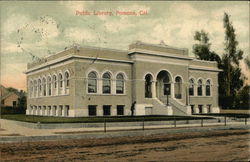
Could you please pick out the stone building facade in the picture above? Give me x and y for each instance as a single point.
(91, 81)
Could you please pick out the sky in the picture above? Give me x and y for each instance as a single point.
(42, 28)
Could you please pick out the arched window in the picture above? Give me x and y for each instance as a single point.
(66, 76)
(148, 84)
(191, 87)
(208, 88)
(106, 83)
(35, 88)
(31, 89)
(44, 86)
(199, 88)
(66, 79)
(119, 84)
(178, 83)
(54, 80)
(49, 86)
(60, 80)
(39, 87)
(92, 82)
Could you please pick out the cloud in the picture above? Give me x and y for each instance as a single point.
(79, 34)
(73, 6)
(122, 24)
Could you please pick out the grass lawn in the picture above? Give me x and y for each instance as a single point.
(228, 115)
(47, 119)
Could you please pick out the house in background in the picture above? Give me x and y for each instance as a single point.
(9, 99)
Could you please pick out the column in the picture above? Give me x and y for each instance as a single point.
(153, 88)
(172, 90)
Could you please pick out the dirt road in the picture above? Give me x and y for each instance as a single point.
(226, 145)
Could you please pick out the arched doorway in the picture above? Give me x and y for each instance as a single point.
(163, 84)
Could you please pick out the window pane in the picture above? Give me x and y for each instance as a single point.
(92, 88)
(92, 110)
(120, 109)
(106, 110)
(119, 86)
(106, 86)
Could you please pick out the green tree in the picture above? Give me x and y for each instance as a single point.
(202, 48)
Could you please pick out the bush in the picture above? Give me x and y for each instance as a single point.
(11, 110)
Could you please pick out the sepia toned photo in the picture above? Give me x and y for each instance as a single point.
(124, 81)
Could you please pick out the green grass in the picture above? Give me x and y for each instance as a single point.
(227, 115)
(46, 119)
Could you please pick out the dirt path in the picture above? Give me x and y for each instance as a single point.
(226, 145)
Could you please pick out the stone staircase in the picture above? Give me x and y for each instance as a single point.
(177, 107)
(161, 108)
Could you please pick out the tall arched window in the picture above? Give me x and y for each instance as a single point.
(199, 88)
(67, 79)
(54, 85)
(119, 84)
(44, 86)
(191, 87)
(66, 76)
(35, 88)
(208, 88)
(60, 85)
(106, 83)
(178, 83)
(148, 85)
(49, 86)
(92, 82)
(39, 87)
(31, 89)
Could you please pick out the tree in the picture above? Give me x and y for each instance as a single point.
(230, 59)
(202, 49)
(247, 61)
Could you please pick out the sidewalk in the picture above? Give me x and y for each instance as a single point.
(9, 128)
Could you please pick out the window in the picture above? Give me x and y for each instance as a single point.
(106, 110)
(92, 110)
(31, 88)
(54, 81)
(178, 83)
(120, 109)
(208, 108)
(106, 83)
(200, 108)
(60, 79)
(44, 87)
(39, 87)
(67, 110)
(14, 103)
(208, 88)
(192, 109)
(49, 111)
(49, 86)
(35, 88)
(199, 89)
(92, 82)
(67, 79)
(119, 84)
(148, 85)
(191, 87)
